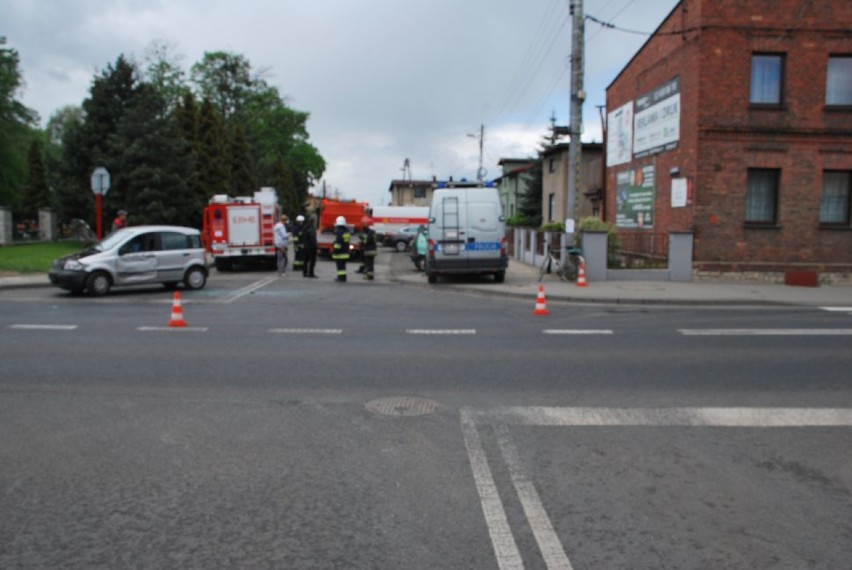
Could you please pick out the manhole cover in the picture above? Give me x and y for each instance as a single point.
(403, 406)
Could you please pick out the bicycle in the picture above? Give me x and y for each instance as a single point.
(566, 270)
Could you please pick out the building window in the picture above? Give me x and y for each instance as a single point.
(762, 196)
(551, 206)
(767, 78)
(551, 165)
(836, 187)
(838, 85)
(419, 192)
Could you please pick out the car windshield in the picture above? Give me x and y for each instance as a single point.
(112, 239)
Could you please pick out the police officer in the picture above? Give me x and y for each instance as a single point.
(298, 246)
(368, 249)
(340, 251)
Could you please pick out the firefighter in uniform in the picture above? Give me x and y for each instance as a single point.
(298, 246)
(340, 251)
(368, 249)
(308, 240)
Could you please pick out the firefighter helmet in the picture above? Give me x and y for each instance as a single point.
(340, 221)
(300, 218)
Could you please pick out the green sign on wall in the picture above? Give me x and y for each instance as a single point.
(634, 198)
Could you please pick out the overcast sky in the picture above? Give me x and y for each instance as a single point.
(383, 80)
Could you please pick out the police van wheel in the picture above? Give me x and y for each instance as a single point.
(499, 276)
(432, 277)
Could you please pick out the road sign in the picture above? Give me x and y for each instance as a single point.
(100, 181)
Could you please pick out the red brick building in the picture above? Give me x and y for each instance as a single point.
(734, 121)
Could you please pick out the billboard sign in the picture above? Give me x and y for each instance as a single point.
(656, 124)
(619, 124)
(634, 198)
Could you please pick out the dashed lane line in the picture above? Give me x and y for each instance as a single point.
(173, 329)
(765, 332)
(440, 331)
(306, 331)
(576, 331)
(25, 327)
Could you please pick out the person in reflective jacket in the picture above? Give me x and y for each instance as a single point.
(298, 247)
(340, 250)
(368, 249)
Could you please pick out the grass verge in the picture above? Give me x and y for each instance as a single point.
(34, 257)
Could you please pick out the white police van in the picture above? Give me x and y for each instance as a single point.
(467, 232)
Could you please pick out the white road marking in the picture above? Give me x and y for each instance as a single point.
(765, 332)
(657, 417)
(501, 419)
(576, 331)
(505, 547)
(170, 329)
(248, 289)
(548, 543)
(43, 327)
(440, 331)
(307, 331)
(838, 309)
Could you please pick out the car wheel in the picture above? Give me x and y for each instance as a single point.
(195, 278)
(499, 276)
(401, 245)
(432, 277)
(98, 283)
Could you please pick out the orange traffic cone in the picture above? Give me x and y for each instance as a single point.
(581, 275)
(540, 303)
(177, 313)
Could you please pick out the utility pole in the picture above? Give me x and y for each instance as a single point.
(480, 174)
(577, 98)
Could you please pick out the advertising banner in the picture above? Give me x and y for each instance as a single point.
(656, 126)
(619, 148)
(634, 198)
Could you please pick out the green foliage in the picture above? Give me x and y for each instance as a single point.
(242, 174)
(518, 220)
(225, 79)
(15, 131)
(553, 227)
(213, 164)
(38, 193)
(529, 205)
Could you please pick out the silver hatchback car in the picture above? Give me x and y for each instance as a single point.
(137, 255)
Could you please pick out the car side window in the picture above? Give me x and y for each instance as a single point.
(173, 240)
(139, 244)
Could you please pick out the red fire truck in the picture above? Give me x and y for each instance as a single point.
(329, 209)
(238, 230)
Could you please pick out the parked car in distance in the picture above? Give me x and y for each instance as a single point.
(401, 239)
(137, 255)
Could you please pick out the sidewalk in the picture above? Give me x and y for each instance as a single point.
(522, 281)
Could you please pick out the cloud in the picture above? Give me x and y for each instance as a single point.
(382, 80)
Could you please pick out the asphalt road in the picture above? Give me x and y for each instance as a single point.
(307, 424)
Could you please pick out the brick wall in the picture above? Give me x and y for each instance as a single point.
(722, 135)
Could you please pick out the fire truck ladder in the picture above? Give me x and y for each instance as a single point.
(451, 225)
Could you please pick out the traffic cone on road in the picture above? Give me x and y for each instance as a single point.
(177, 312)
(581, 275)
(540, 303)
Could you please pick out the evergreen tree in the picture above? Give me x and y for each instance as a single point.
(15, 130)
(214, 175)
(151, 162)
(530, 202)
(242, 171)
(287, 195)
(86, 146)
(38, 192)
